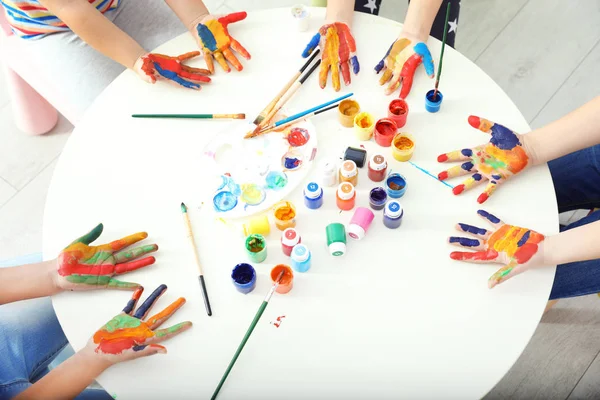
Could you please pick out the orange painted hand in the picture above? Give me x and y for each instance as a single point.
(338, 51)
(152, 66)
(504, 156)
(215, 41)
(517, 248)
(85, 267)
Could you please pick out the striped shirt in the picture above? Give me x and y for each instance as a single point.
(29, 19)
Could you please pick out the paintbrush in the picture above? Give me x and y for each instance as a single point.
(259, 314)
(190, 234)
(272, 128)
(263, 114)
(437, 78)
(192, 116)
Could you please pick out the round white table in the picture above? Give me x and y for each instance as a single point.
(394, 318)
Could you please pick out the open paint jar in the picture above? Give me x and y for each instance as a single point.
(396, 185)
(244, 278)
(347, 110)
(403, 146)
(433, 103)
(385, 129)
(285, 215)
(256, 248)
(364, 124)
(398, 112)
(286, 282)
(377, 198)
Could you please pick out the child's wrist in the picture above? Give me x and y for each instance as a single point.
(192, 25)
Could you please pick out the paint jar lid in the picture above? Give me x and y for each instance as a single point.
(300, 253)
(290, 237)
(348, 169)
(313, 190)
(337, 249)
(378, 162)
(346, 191)
(393, 209)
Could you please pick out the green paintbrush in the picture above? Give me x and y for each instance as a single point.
(194, 116)
(437, 78)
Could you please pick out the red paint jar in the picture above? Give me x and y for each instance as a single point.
(289, 238)
(398, 112)
(377, 168)
(345, 196)
(385, 129)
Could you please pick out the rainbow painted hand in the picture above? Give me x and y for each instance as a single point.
(152, 66)
(400, 63)
(84, 267)
(503, 157)
(513, 246)
(127, 336)
(215, 41)
(338, 51)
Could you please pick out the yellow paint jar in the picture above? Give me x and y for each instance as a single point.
(364, 124)
(285, 215)
(257, 226)
(403, 146)
(347, 110)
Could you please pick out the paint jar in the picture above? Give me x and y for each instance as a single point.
(256, 248)
(301, 258)
(385, 129)
(433, 104)
(364, 124)
(377, 168)
(259, 225)
(396, 185)
(329, 173)
(313, 196)
(345, 196)
(244, 278)
(300, 14)
(359, 156)
(347, 110)
(285, 215)
(392, 215)
(360, 222)
(349, 172)
(398, 112)
(286, 282)
(336, 239)
(289, 238)
(403, 146)
(377, 198)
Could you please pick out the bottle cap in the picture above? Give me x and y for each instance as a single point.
(393, 209)
(356, 231)
(348, 169)
(378, 162)
(300, 253)
(337, 249)
(290, 237)
(313, 190)
(329, 167)
(346, 191)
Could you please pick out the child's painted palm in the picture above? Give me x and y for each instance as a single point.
(496, 161)
(338, 51)
(513, 246)
(154, 66)
(215, 41)
(127, 336)
(85, 267)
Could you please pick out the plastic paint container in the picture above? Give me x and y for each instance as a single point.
(398, 112)
(385, 129)
(403, 146)
(364, 124)
(336, 239)
(244, 278)
(359, 156)
(392, 215)
(256, 248)
(289, 238)
(285, 215)
(287, 280)
(300, 14)
(377, 198)
(360, 222)
(396, 185)
(259, 224)
(313, 196)
(349, 172)
(377, 168)
(347, 110)
(345, 196)
(329, 173)
(301, 258)
(433, 105)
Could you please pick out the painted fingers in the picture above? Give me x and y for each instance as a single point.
(216, 42)
(400, 64)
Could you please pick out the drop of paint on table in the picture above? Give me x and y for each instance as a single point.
(298, 137)
(276, 180)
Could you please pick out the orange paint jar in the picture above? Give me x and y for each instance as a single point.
(287, 280)
(285, 215)
(349, 172)
(345, 196)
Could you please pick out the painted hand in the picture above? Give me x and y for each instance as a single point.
(215, 41)
(127, 336)
(338, 51)
(503, 157)
(152, 66)
(513, 246)
(400, 63)
(84, 267)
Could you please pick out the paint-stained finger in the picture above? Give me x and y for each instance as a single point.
(167, 333)
(345, 72)
(149, 302)
(394, 82)
(381, 63)
(469, 183)
(221, 60)
(323, 72)
(473, 230)
(187, 56)
(458, 170)
(157, 319)
(492, 219)
(485, 125)
(208, 59)
(407, 81)
(194, 77)
(120, 285)
(120, 244)
(487, 256)
(504, 274)
(457, 155)
(423, 52)
(489, 190)
(229, 56)
(145, 350)
(133, 265)
(132, 254)
(314, 42)
(133, 301)
(91, 235)
(235, 45)
(355, 64)
(386, 76)
(472, 244)
(193, 70)
(335, 77)
(233, 17)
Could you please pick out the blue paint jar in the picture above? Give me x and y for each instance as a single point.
(244, 278)
(432, 105)
(313, 196)
(395, 185)
(300, 258)
(377, 198)
(392, 215)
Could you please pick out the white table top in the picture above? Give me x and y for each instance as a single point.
(395, 317)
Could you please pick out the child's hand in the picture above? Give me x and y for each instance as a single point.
(504, 156)
(506, 244)
(338, 51)
(400, 63)
(152, 66)
(215, 41)
(84, 267)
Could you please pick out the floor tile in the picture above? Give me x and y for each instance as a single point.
(589, 385)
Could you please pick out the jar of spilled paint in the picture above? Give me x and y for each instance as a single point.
(433, 103)
(257, 225)
(396, 185)
(377, 168)
(285, 215)
(392, 215)
(301, 258)
(364, 124)
(345, 196)
(286, 282)
(347, 110)
(289, 238)
(349, 172)
(313, 196)
(385, 129)
(329, 174)
(403, 146)
(359, 156)
(360, 222)
(377, 198)
(336, 239)
(256, 248)
(398, 112)
(243, 277)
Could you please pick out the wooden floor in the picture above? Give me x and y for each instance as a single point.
(544, 53)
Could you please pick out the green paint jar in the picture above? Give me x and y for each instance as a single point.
(336, 239)
(256, 248)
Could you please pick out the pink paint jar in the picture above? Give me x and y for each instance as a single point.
(385, 129)
(289, 238)
(398, 112)
(360, 222)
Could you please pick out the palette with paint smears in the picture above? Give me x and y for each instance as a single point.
(252, 175)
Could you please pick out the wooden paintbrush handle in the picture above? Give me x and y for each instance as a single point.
(190, 234)
(282, 102)
(273, 102)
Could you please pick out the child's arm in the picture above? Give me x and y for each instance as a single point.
(339, 11)
(577, 244)
(28, 282)
(419, 19)
(190, 12)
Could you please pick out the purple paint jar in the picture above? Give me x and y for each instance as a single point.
(392, 215)
(377, 198)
